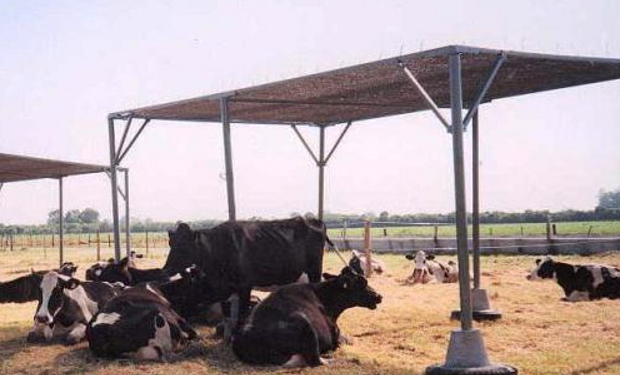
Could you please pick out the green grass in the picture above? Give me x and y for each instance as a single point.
(599, 228)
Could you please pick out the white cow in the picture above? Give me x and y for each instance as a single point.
(358, 263)
(427, 269)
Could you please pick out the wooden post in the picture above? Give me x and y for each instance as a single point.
(491, 231)
(435, 235)
(589, 230)
(53, 242)
(109, 241)
(548, 228)
(367, 245)
(146, 241)
(44, 248)
(12, 239)
(555, 229)
(521, 230)
(98, 245)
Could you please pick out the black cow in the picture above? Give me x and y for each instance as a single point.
(66, 305)
(142, 321)
(239, 256)
(124, 272)
(26, 288)
(580, 282)
(297, 323)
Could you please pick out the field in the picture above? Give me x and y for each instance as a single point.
(539, 334)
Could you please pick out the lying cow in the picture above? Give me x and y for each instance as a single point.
(357, 263)
(297, 323)
(125, 272)
(26, 288)
(580, 282)
(66, 305)
(427, 269)
(244, 255)
(142, 322)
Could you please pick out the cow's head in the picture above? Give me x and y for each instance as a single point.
(545, 269)
(117, 272)
(352, 290)
(355, 263)
(51, 301)
(421, 267)
(94, 272)
(183, 248)
(68, 269)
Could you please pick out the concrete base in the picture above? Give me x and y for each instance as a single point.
(481, 306)
(467, 355)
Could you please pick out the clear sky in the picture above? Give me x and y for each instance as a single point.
(66, 64)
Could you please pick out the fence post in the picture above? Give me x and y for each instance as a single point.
(53, 242)
(12, 239)
(435, 235)
(589, 230)
(146, 241)
(548, 229)
(98, 245)
(109, 241)
(367, 246)
(521, 230)
(555, 229)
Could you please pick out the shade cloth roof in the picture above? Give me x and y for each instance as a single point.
(22, 168)
(381, 88)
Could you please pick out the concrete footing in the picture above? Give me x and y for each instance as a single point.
(467, 356)
(481, 306)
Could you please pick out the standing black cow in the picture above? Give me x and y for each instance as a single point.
(244, 255)
(143, 321)
(26, 288)
(297, 323)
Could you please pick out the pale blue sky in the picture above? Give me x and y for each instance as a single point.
(66, 64)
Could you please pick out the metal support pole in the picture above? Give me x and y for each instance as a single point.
(475, 200)
(321, 165)
(456, 101)
(127, 220)
(230, 180)
(116, 225)
(61, 219)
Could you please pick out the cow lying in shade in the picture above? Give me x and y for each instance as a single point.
(26, 288)
(580, 282)
(142, 322)
(125, 272)
(427, 269)
(358, 263)
(66, 305)
(297, 323)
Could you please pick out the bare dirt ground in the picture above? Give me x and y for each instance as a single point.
(410, 330)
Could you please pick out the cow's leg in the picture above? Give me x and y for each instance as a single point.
(76, 334)
(303, 341)
(232, 318)
(40, 333)
(577, 296)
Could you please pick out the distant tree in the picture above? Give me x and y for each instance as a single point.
(53, 218)
(609, 199)
(384, 216)
(310, 215)
(89, 216)
(72, 216)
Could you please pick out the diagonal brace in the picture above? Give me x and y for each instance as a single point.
(133, 140)
(427, 98)
(331, 152)
(121, 192)
(484, 89)
(124, 137)
(302, 139)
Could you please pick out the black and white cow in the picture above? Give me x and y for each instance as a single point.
(358, 263)
(297, 323)
(66, 305)
(427, 269)
(124, 272)
(26, 288)
(244, 255)
(579, 282)
(143, 322)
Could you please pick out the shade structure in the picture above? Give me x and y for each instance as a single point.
(15, 168)
(379, 89)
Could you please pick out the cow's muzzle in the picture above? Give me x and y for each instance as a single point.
(42, 319)
(418, 275)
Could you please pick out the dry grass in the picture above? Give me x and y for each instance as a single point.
(539, 334)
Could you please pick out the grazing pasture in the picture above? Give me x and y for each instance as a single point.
(539, 334)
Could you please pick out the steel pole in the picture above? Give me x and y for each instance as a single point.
(475, 200)
(127, 220)
(113, 182)
(456, 101)
(230, 180)
(321, 171)
(61, 219)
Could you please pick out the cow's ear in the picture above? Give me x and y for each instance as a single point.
(329, 276)
(124, 262)
(346, 271)
(430, 257)
(409, 256)
(72, 283)
(111, 260)
(538, 261)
